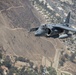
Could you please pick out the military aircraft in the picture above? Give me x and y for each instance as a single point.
(60, 30)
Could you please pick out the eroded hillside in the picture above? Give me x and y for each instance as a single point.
(16, 18)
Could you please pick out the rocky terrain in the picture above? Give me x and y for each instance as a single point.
(18, 16)
(54, 12)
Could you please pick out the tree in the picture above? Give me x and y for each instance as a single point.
(41, 68)
(36, 69)
(51, 71)
(61, 63)
(20, 59)
(1, 71)
(12, 70)
(7, 62)
(31, 64)
(23, 72)
(0, 55)
(72, 57)
(66, 56)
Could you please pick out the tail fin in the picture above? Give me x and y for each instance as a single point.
(67, 20)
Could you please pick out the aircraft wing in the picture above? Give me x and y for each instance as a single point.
(65, 28)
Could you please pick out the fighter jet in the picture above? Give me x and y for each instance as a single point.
(60, 30)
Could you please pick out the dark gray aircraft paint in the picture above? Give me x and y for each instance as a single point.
(54, 30)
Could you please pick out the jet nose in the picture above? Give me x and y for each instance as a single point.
(37, 33)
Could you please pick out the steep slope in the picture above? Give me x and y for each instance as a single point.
(17, 14)
(16, 18)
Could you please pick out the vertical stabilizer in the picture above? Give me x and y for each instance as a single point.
(67, 20)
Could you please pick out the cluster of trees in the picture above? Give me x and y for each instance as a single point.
(22, 59)
(67, 57)
(29, 71)
(24, 70)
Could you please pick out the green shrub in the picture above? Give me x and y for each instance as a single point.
(51, 71)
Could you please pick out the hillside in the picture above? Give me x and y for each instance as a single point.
(16, 18)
